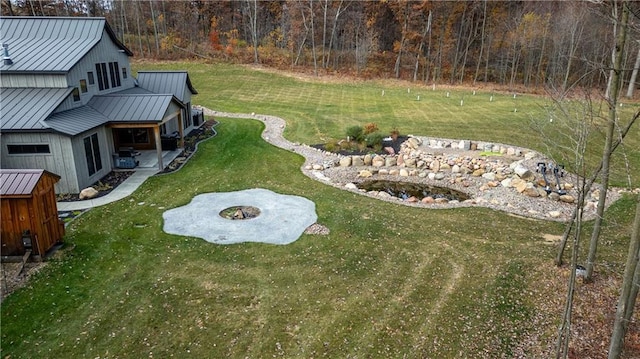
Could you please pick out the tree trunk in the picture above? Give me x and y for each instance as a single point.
(626, 302)
(611, 125)
(590, 182)
(253, 27)
(484, 20)
(424, 35)
(405, 27)
(634, 75)
(564, 332)
(313, 40)
(155, 28)
(333, 31)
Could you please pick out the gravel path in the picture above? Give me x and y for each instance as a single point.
(323, 166)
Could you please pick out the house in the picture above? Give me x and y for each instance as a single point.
(69, 101)
(28, 212)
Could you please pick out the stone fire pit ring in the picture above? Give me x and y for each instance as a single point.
(282, 218)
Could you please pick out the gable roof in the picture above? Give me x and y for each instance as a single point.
(27, 108)
(20, 182)
(132, 107)
(172, 82)
(51, 44)
(76, 121)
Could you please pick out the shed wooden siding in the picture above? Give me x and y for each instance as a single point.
(28, 202)
(60, 160)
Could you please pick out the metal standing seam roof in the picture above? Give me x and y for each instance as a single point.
(132, 107)
(172, 82)
(51, 44)
(76, 121)
(20, 182)
(27, 108)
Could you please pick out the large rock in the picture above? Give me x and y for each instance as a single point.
(390, 161)
(531, 192)
(567, 198)
(489, 176)
(413, 142)
(357, 161)
(365, 174)
(377, 161)
(521, 186)
(368, 159)
(404, 172)
(435, 166)
(523, 172)
(345, 162)
(88, 193)
(350, 185)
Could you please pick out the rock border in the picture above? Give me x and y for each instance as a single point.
(496, 176)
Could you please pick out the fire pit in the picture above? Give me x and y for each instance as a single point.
(240, 212)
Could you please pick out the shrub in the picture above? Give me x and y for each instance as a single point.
(374, 139)
(332, 145)
(355, 133)
(370, 127)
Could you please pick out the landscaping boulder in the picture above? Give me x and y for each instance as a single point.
(88, 193)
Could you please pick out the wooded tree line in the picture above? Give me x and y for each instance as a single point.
(513, 43)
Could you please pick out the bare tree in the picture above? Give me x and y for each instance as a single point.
(614, 90)
(252, 13)
(629, 292)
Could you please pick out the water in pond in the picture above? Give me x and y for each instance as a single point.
(405, 190)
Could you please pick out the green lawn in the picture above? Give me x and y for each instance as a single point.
(317, 110)
(388, 281)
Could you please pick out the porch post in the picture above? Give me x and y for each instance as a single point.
(156, 134)
(180, 130)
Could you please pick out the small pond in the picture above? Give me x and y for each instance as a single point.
(405, 190)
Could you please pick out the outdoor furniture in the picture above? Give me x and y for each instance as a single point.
(169, 142)
(127, 158)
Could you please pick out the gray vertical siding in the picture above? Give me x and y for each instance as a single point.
(84, 180)
(60, 161)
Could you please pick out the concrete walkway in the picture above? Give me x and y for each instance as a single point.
(123, 190)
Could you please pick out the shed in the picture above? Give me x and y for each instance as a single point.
(29, 212)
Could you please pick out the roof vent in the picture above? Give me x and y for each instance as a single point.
(6, 58)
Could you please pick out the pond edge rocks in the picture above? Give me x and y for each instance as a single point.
(487, 171)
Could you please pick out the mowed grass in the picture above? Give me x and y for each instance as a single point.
(319, 109)
(388, 281)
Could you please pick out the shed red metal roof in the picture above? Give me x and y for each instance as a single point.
(20, 182)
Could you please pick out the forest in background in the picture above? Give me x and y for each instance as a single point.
(517, 44)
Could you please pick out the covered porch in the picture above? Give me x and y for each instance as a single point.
(148, 159)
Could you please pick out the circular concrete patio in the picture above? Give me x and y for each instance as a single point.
(282, 218)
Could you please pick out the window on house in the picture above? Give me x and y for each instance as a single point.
(92, 153)
(83, 85)
(92, 81)
(114, 74)
(76, 94)
(187, 121)
(24, 149)
(124, 72)
(103, 76)
(133, 136)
